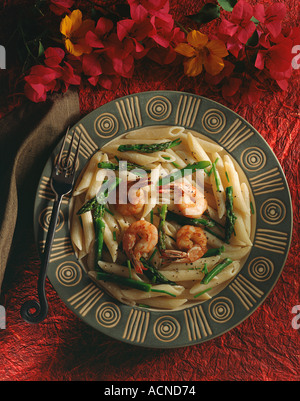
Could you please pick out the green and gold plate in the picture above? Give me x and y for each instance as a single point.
(272, 229)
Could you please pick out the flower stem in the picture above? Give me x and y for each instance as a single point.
(181, 27)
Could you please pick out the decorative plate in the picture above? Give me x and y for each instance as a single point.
(272, 204)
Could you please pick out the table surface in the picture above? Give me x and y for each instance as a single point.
(264, 347)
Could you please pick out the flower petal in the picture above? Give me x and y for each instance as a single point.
(77, 49)
(218, 48)
(197, 39)
(86, 26)
(76, 18)
(213, 64)
(185, 49)
(193, 66)
(66, 26)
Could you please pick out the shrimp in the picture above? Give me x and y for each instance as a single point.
(137, 200)
(139, 239)
(188, 200)
(190, 239)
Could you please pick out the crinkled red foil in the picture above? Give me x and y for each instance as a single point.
(264, 347)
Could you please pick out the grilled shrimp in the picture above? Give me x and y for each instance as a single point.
(188, 200)
(135, 204)
(190, 239)
(139, 239)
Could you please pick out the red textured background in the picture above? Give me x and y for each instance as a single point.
(264, 347)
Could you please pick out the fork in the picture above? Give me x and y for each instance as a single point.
(62, 182)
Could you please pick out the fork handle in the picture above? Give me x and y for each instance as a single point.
(33, 311)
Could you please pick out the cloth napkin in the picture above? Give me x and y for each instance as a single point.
(27, 137)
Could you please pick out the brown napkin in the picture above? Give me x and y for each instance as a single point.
(27, 137)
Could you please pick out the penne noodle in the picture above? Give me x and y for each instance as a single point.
(88, 231)
(240, 230)
(108, 238)
(221, 169)
(138, 294)
(76, 230)
(228, 273)
(219, 193)
(193, 297)
(238, 200)
(163, 302)
(196, 149)
(183, 275)
(198, 264)
(119, 270)
(97, 180)
(246, 216)
(88, 173)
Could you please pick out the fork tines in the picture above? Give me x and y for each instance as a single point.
(62, 164)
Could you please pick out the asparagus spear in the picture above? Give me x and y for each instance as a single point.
(216, 270)
(187, 170)
(161, 230)
(99, 230)
(154, 275)
(130, 166)
(100, 198)
(213, 252)
(149, 148)
(230, 216)
(183, 220)
(128, 282)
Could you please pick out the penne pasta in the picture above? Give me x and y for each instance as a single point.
(228, 273)
(88, 173)
(137, 267)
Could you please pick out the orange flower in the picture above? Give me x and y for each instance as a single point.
(201, 52)
(74, 31)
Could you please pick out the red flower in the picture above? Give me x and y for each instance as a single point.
(40, 81)
(60, 7)
(135, 30)
(277, 61)
(121, 55)
(165, 55)
(271, 17)
(139, 9)
(98, 37)
(239, 28)
(52, 77)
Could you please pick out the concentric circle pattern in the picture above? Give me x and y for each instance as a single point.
(166, 328)
(213, 121)
(273, 211)
(66, 159)
(253, 159)
(45, 217)
(159, 108)
(261, 268)
(106, 125)
(221, 309)
(108, 314)
(69, 273)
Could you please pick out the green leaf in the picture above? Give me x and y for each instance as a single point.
(227, 5)
(41, 49)
(208, 13)
(253, 40)
(253, 19)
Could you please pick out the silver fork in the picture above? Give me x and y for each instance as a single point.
(62, 182)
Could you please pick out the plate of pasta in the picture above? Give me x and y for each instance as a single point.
(179, 223)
